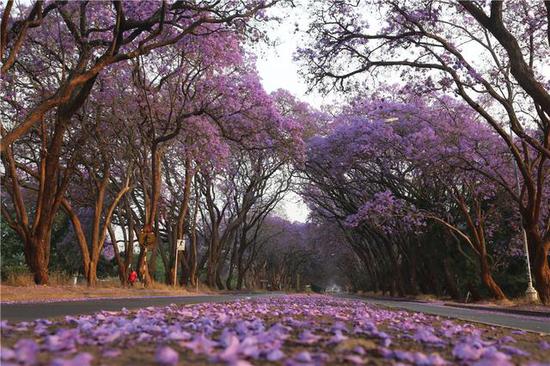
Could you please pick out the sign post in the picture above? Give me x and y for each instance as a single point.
(180, 245)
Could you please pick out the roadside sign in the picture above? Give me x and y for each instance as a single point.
(180, 245)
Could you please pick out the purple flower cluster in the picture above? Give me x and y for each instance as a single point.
(290, 329)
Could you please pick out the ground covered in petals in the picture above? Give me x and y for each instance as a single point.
(290, 330)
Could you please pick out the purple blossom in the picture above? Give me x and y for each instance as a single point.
(544, 345)
(307, 337)
(426, 335)
(166, 356)
(507, 339)
(493, 357)
(7, 354)
(82, 359)
(26, 351)
(275, 355)
(200, 344)
(303, 356)
(111, 353)
(108, 251)
(354, 359)
(337, 337)
(513, 351)
(468, 352)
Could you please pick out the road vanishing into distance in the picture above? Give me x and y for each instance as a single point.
(31, 311)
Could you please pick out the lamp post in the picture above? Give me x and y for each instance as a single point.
(531, 293)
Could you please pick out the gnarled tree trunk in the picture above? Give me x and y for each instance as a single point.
(487, 278)
(538, 250)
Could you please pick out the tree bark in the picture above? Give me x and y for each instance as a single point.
(39, 260)
(143, 269)
(539, 249)
(212, 264)
(487, 278)
(194, 255)
(92, 274)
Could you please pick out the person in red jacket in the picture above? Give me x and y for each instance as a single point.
(132, 278)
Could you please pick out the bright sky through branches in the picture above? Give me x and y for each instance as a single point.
(278, 70)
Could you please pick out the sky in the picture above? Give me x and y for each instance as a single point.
(278, 70)
(275, 64)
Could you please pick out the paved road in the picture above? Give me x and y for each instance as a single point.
(529, 323)
(25, 312)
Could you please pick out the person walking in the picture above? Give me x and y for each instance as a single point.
(132, 278)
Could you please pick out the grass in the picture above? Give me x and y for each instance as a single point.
(67, 292)
(25, 278)
(519, 303)
(20, 287)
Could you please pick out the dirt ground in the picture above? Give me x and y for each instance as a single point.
(10, 294)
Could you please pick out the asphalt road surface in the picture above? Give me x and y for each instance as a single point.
(524, 322)
(31, 311)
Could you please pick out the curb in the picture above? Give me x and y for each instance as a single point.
(384, 298)
(534, 313)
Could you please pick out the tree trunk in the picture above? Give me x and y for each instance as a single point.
(487, 278)
(92, 274)
(193, 280)
(212, 265)
(211, 274)
(219, 283)
(122, 275)
(193, 271)
(94, 260)
(229, 279)
(184, 280)
(232, 264)
(143, 270)
(39, 261)
(239, 285)
(153, 261)
(172, 238)
(542, 271)
(129, 244)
